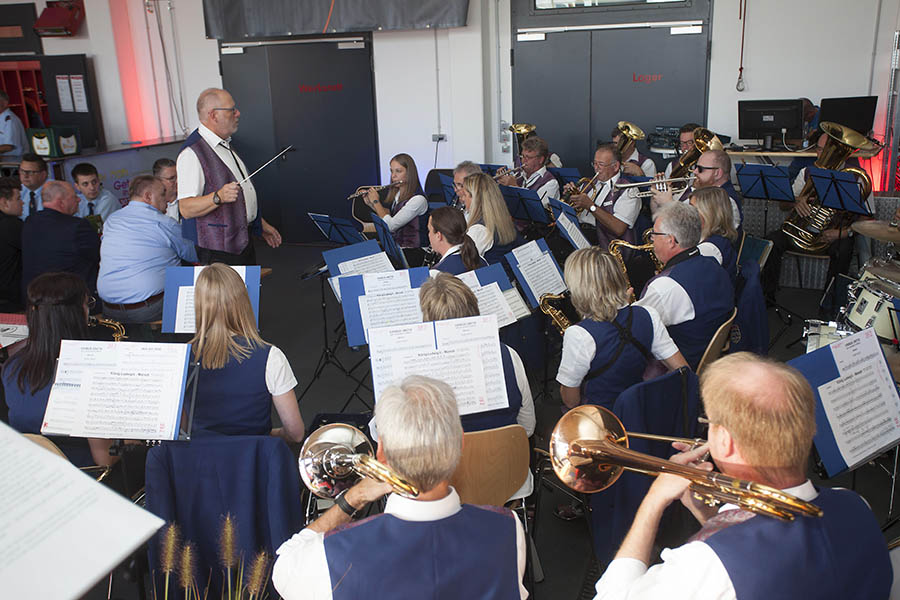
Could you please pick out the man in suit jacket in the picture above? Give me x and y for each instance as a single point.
(54, 240)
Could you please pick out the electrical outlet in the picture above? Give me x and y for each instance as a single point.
(438, 137)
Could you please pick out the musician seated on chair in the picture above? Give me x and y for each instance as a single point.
(535, 175)
(427, 547)
(491, 226)
(685, 144)
(762, 421)
(609, 349)
(633, 162)
(716, 228)
(241, 376)
(448, 237)
(609, 212)
(139, 243)
(403, 208)
(692, 294)
(56, 308)
(463, 170)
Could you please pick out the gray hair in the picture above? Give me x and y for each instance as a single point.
(53, 191)
(205, 101)
(681, 220)
(420, 431)
(467, 167)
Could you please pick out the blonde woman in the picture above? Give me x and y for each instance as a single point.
(716, 227)
(490, 225)
(609, 349)
(241, 375)
(404, 207)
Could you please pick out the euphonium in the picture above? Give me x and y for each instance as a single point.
(704, 140)
(630, 133)
(560, 310)
(334, 457)
(589, 451)
(806, 232)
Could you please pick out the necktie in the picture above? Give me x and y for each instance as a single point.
(90, 208)
(32, 204)
(236, 162)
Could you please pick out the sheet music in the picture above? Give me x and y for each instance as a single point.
(492, 302)
(388, 308)
(527, 252)
(10, 334)
(470, 279)
(185, 318)
(574, 232)
(46, 506)
(465, 353)
(374, 263)
(516, 303)
(542, 276)
(127, 390)
(862, 405)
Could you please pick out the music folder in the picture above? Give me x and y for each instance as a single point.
(536, 270)
(765, 182)
(178, 296)
(447, 189)
(524, 204)
(390, 246)
(505, 302)
(365, 257)
(567, 222)
(336, 229)
(491, 169)
(380, 300)
(839, 190)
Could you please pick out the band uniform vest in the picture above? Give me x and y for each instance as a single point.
(410, 235)
(604, 236)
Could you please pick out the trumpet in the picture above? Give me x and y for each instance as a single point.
(654, 182)
(583, 186)
(515, 172)
(361, 192)
(589, 451)
(336, 456)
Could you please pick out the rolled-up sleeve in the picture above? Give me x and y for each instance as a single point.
(301, 569)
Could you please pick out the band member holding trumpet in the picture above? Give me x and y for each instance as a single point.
(611, 210)
(762, 421)
(406, 551)
(608, 350)
(403, 207)
(535, 175)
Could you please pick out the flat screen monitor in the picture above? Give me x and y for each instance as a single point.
(764, 119)
(857, 113)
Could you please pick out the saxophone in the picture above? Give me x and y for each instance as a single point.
(118, 330)
(560, 310)
(615, 248)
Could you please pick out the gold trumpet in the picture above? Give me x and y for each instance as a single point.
(645, 194)
(336, 456)
(515, 172)
(589, 451)
(583, 186)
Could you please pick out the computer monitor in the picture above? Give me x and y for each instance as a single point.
(857, 113)
(764, 120)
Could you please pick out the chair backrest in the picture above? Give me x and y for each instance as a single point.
(755, 249)
(45, 444)
(741, 245)
(494, 465)
(718, 343)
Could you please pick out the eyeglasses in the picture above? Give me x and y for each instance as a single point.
(701, 168)
(172, 178)
(532, 157)
(652, 233)
(457, 186)
(602, 165)
(91, 302)
(232, 110)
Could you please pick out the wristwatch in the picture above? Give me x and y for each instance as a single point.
(344, 505)
(593, 208)
(216, 200)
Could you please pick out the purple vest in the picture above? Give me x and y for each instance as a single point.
(604, 236)
(408, 235)
(641, 159)
(539, 182)
(225, 228)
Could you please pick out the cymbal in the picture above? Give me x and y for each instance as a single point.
(878, 230)
(889, 270)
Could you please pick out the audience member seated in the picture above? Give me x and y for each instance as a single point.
(138, 243)
(692, 294)
(446, 297)
(165, 169)
(241, 376)
(92, 198)
(490, 225)
(762, 420)
(33, 175)
(609, 349)
(54, 240)
(405, 208)
(407, 551)
(535, 175)
(716, 228)
(10, 246)
(447, 234)
(57, 309)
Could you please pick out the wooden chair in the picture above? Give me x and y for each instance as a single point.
(754, 248)
(493, 467)
(718, 344)
(45, 443)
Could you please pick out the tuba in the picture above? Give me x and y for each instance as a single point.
(806, 232)
(334, 457)
(704, 140)
(560, 310)
(615, 248)
(589, 451)
(630, 133)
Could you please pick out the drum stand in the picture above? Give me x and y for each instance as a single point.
(329, 356)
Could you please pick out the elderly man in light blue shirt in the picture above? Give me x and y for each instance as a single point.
(139, 242)
(13, 141)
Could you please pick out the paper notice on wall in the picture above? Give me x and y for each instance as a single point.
(64, 91)
(79, 96)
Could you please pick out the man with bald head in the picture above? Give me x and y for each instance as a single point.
(54, 240)
(761, 425)
(218, 211)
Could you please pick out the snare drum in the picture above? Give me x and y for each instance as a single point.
(874, 306)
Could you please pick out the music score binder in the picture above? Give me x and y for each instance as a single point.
(355, 287)
(765, 182)
(184, 277)
(333, 258)
(336, 229)
(388, 244)
(495, 273)
(524, 204)
(533, 296)
(839, 190)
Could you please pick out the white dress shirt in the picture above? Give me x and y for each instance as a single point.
(484, 241)
(579, 349)
(301, 569)
(711, 250)
(172, 210)
(190, 174)
(800, 181)
(669, 299)
(648, 166)
(416, 207)
(627, 206)
(690, 571)
(13, 132)
(548, 190)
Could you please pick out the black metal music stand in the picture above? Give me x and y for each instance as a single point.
(524, 205)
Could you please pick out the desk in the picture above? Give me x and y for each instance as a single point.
(748, 155)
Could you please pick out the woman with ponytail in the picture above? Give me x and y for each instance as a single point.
(447, 234)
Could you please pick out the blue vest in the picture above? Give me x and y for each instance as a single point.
(841, 555)
(629, 367)
(234, 400)
(453, 264)
(502, 416)
(496, 252)
(471, 555)
(729, 256)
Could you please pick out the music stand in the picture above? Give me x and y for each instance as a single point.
(337, 230)
(491, 169)
(448, 189)
(388, 244)
(565, 174)
(558, 208)
(839, 190)
(524, 205)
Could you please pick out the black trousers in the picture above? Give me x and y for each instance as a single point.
(246, 257)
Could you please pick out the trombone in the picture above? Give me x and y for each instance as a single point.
(654, 182)
(589, 451)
